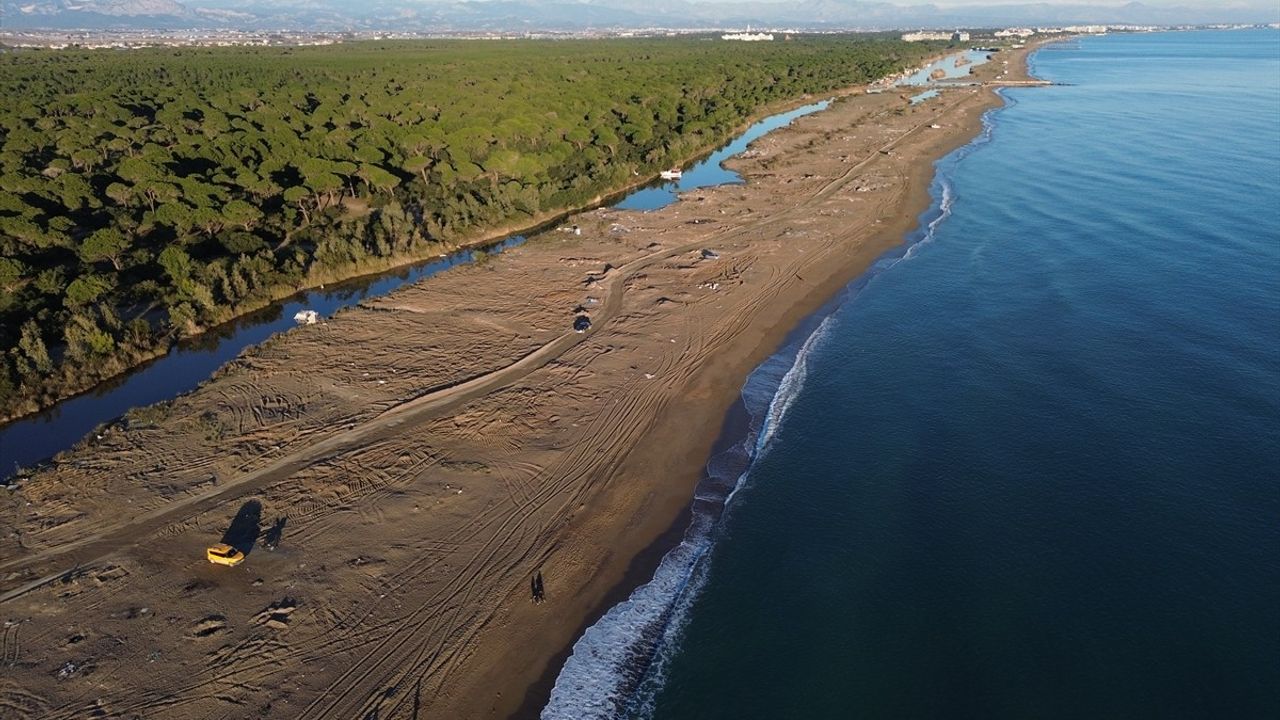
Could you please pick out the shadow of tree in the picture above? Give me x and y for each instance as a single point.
(243, 531)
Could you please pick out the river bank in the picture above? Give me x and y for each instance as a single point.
(434, 448)
(72, 384)
(26, 442)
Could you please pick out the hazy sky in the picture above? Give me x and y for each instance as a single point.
(1152, 3)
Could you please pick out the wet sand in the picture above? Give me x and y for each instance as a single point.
(432, 449)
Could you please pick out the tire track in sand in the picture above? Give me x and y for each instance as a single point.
(53, 563)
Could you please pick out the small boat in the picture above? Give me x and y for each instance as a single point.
(672, 174)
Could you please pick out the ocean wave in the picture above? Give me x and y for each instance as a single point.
(789, 388)
(944, 193)
(944, 212)
(619, 663)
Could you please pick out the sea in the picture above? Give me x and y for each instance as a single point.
(1028, 466)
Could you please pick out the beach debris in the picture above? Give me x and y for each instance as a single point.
(936, 126)
(648, 376)
(709, 254)
(306, 317)
(581, 324)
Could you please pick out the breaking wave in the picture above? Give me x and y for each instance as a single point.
(619, 664)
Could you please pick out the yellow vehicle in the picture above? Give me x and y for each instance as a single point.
(223, 554)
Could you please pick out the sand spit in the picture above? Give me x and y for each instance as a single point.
(431, 450)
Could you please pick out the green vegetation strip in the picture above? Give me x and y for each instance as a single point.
(149, 195)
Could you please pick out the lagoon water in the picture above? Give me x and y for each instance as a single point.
(709, 171)
(35, 438)
(949, 68)
(1027, 467)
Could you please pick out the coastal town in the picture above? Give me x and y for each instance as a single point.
(119, 39)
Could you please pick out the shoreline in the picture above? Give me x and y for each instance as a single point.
(579, 466)
(733, 423)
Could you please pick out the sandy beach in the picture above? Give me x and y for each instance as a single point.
(431, 450)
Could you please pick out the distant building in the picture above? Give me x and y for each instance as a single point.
(1015, 32)
(747, 36)
(923, 35)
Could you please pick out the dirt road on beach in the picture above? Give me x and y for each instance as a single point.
(430, 450)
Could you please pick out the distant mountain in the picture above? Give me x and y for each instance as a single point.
(91, 13)
(515, 15)
(120, 8)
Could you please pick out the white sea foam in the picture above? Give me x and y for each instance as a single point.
(784, 397)
(944, 212)
(619, 663)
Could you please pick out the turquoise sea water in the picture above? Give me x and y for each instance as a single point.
(1029, 466)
